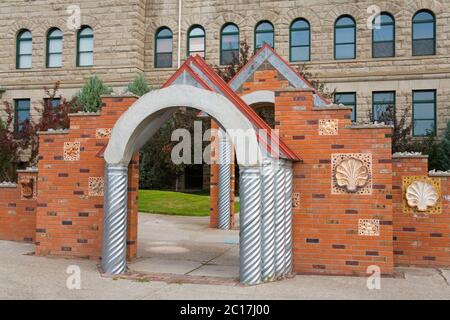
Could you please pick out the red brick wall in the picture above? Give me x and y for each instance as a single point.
(325, 234)
(69, 218)
(17, 214)
(420, 239)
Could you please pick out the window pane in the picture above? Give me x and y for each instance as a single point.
(424, 111)
(300, 38)
(264, 26)
(164, 33)
(423, 127)
(55, 46)
(348, 100)
(56, 102)
(25, 47)
(345, 21)
(423, 47)
(300, 24)
(423, 16)
(25, 61)
(383, 49)
(86, 59)
(196, 32)
(228, 57)
(423, 96)
(164, 60)
(197, 44)
(262, 38)
(423, 30)
(164, 45)
(345, 51)
(230, 28)
(300, 53)
(346, 35)
(86, 44)
(86, 31)
(386, 33)
(22, 112)
(55, 60)
(230, 42)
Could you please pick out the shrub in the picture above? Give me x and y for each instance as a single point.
(89, 97)
(441, 154)
(139, 86)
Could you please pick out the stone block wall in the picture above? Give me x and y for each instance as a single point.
(337, 231)
(420, 238)
(71, 181)
(18, 208)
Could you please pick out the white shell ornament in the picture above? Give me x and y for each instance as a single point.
(351, 174)
(421, 195)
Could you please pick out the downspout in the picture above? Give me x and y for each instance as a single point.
(180, 5)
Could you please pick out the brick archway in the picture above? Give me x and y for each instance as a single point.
(259, 174)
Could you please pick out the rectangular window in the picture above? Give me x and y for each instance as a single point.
(424, 112)
(348, 99)
(383, 107)
(55, 101)
(22, 113)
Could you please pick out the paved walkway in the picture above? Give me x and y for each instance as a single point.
(184, 245)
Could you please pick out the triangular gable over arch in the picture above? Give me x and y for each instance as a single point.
(267, 54)
(196, 72)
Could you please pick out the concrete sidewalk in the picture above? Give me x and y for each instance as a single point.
(185, 246)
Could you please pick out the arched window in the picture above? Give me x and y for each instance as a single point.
(300, 40)
(85, 47)
(163, 50)
(24, 50)
(196, 41)
(345, 38)
(54, 48)
(264, 33)
(229, 44)
(383, 37)
(424, 34)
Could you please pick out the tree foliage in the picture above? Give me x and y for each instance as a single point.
(139, 86)
(228, 72)
(88, 99)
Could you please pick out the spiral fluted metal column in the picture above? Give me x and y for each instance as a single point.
(250, 226)
(280, 194)
(268, 221)
(224, 182)
(288, 218)
(115, 219)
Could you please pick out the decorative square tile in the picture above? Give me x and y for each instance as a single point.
(71, 151)
(295, 200)
(103, 133)
(96, 186)
(422, 195)
(369, 227)
(328, 127)
(351, 173)
(28, 188)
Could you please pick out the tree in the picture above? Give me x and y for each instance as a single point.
(88, 98)
(139, 86)
(441, 156)
(320, 86)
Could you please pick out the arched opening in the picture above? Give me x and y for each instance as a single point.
(262, 257)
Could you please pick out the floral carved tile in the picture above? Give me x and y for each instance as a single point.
(72, 151)
(96, 186)
(295, 200)
(28, 188)
(103, 133)
(369, 227)
(328, 127)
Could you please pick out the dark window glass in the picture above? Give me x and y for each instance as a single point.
(383, 107)
(424, 113)
(24, 50)
(85, 45)
(264, 33)
(163, 51)
(229, 44)
(55, 102)
(424, 34)
(54, 48)
(345, 38)
(22, 113)
(384, 37)
(196, 41)
(348, 99)
(300, 40)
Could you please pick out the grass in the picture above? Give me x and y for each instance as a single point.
(176, 203)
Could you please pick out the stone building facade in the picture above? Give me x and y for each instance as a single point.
(124, 38)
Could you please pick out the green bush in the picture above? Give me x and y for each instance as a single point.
(139, 86)
(89, 97)
(441, 155)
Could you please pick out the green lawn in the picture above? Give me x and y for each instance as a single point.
(175, 203)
